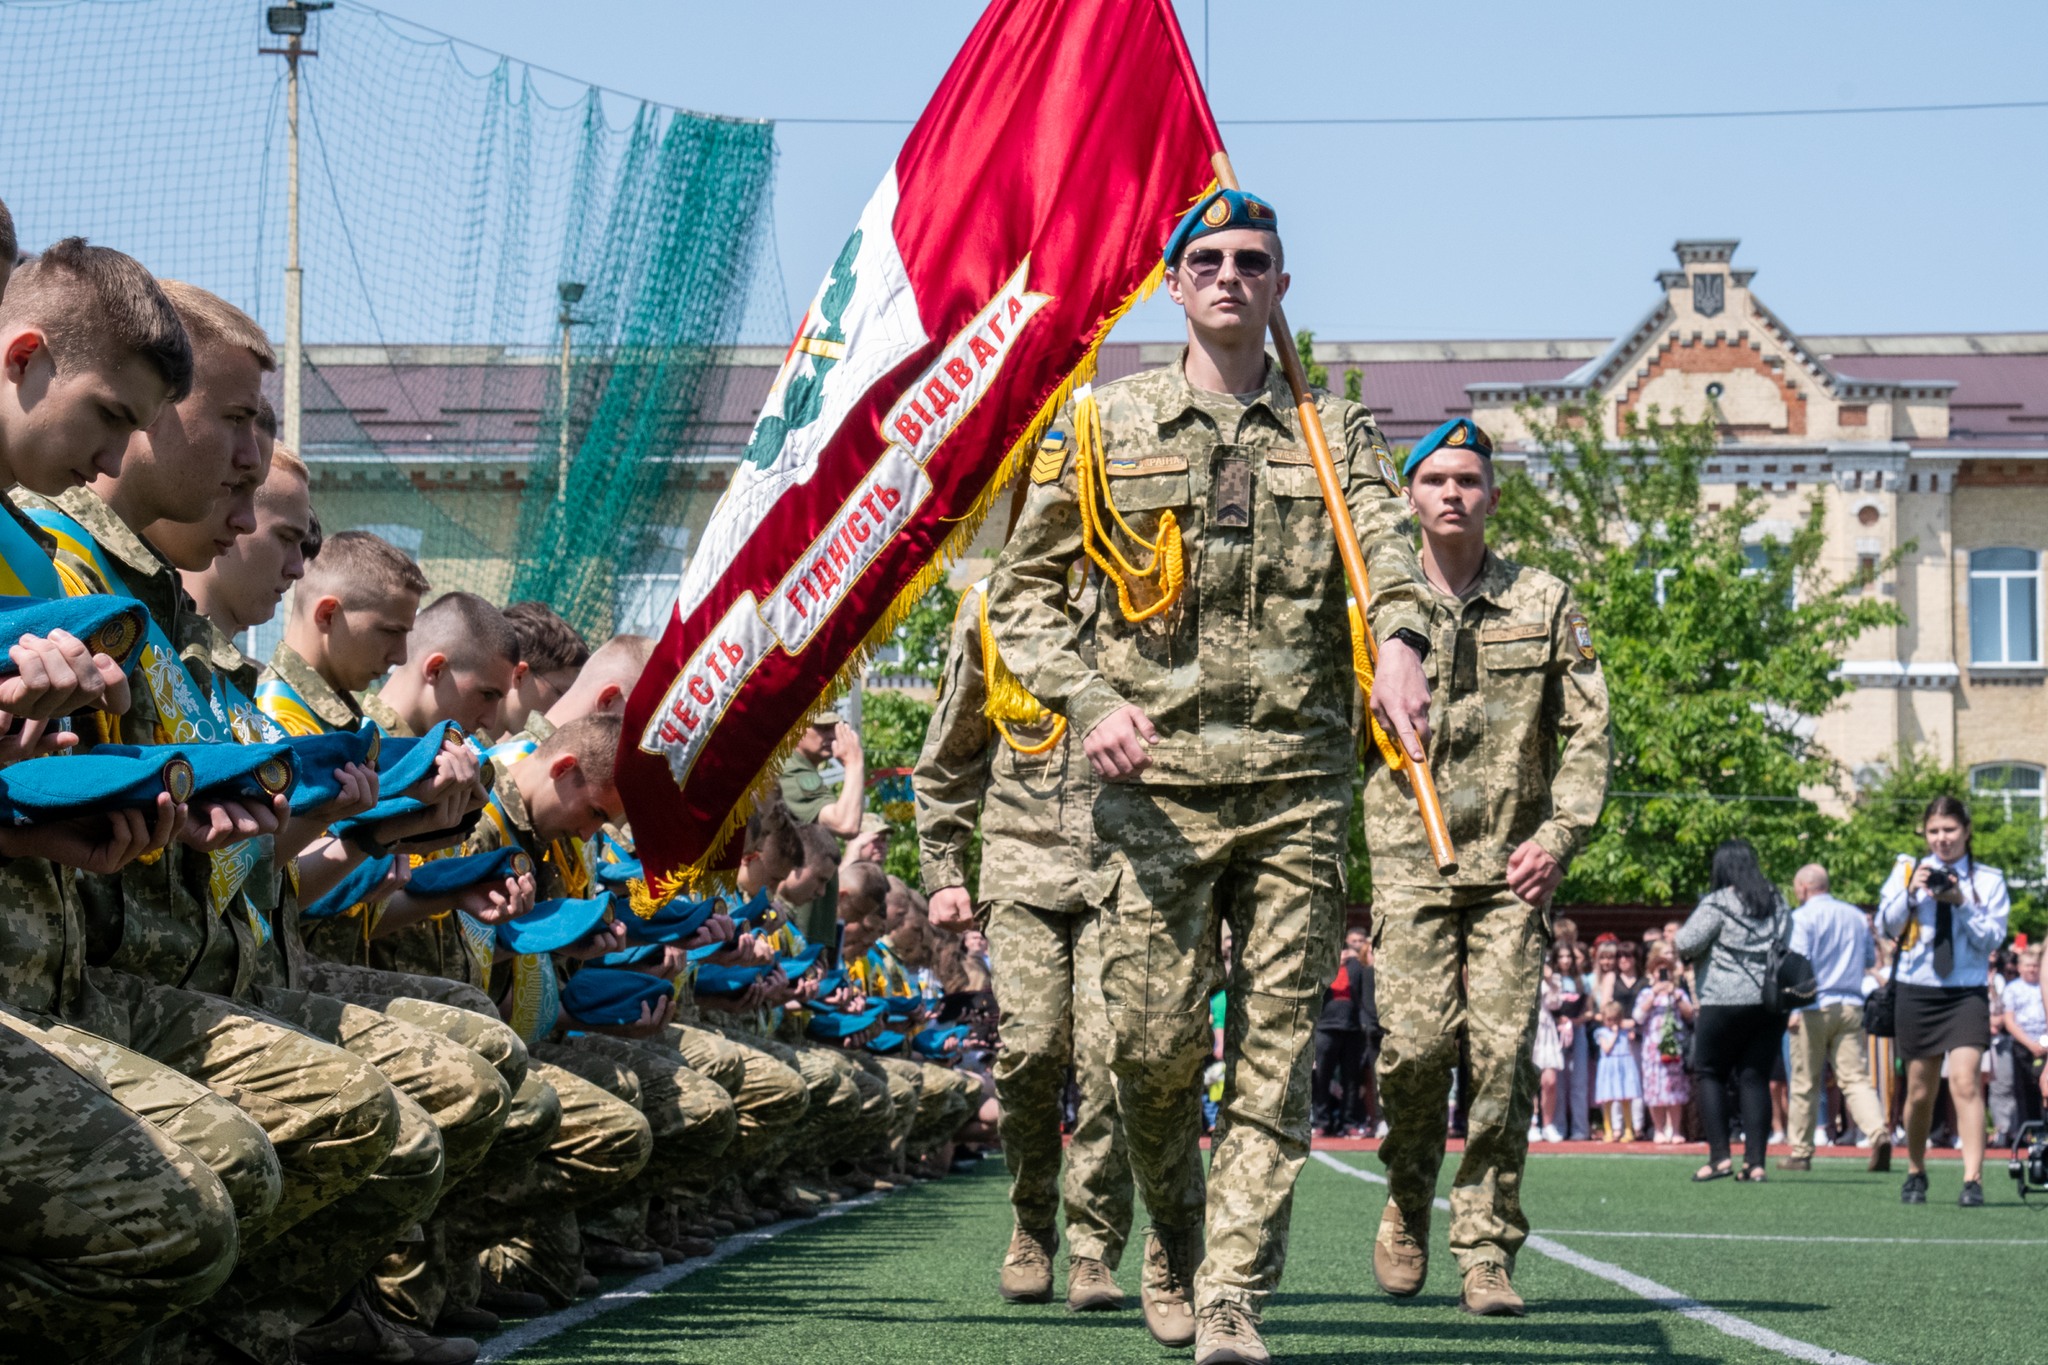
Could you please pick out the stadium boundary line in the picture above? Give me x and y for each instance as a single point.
(1782, 1237)
(1742, 1329)
(533, 1331)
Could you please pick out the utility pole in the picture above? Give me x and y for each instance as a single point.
(571, 294)
(289, 22)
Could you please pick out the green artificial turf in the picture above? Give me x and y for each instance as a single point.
(911, 1281)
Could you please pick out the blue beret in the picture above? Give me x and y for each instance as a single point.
(402, 764)
(1220, 211)
(832, 1026)
(797, 965)
(886, 1041)
(632, 957)
(831, 983)
(606, 995)
(68, 786)
(1460, 433)
(554, 924)
(902, 1006)
(676, 920)
(618, 873)
(750, 912)
(446, 876)
(360, 881)
(108, 625)
(319, 755)
(932, 1041)
(715, 980)
(225, 772)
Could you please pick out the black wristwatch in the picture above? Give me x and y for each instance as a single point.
(1413, 640)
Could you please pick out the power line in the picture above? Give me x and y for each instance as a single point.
(1427, 120)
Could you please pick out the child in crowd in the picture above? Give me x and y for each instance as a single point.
(1618, 1088)
(1663, 1018)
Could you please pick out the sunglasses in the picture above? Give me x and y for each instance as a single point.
(1207, 261)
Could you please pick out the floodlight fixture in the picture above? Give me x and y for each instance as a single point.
(570, 292)
(289, 21)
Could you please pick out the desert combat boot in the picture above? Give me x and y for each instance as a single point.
(1400, 1257)
(1488, 1292)
(1228, 1334)
(1167, 1284)
(1027, 1267)
(1092, 1286)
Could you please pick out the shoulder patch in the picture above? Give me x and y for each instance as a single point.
(1388, 471)
(1051, 457)
(1581, 632)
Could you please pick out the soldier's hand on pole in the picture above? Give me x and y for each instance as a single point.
(1116, 747)
(1534, 873)
(952, 908)
(1400, 696)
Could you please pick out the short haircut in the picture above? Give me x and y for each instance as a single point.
(266, 418)
(10, 245)
(315, 539)
(821, 846)
(594, 741)
(772, 830)
(547, 643)
(868, 881)
(467, 630)
(212, 320)
(283, 457)
(356, 566)
(621, 659)
(95, 303)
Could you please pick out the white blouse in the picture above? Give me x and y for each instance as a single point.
(1977, 925)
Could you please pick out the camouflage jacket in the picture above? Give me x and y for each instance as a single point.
(293, 694)
(1248, 678)
(1036, 812)
(160, 913)
(376, 708)
(803, 791)
(1518, 732)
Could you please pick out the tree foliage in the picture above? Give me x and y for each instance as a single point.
(923, 636)
(892, 727)
(1717, 660)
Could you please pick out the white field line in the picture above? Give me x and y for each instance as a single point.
(536, 1330)
(1769, 1237)
(1742, 1329)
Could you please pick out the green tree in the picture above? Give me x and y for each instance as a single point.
(1354, 385)
(892, 726)
(1305, 345)
(1717, 653)
(1885, 822)
(924, 634)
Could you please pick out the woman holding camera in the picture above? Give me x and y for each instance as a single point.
(1948, 913)
(1730, 936)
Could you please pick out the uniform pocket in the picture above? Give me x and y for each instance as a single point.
(1150, 492)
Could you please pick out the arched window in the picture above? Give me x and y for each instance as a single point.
(2021, 788)
(2005, 606)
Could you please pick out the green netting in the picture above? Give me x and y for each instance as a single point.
(446, 195)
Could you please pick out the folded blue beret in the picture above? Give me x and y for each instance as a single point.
(108, 625)
(446, 876)
(632, 957)
(932, 1041)
(831, 983)
(360, 881)
(225, 772)
(553, 925)
(1460, 433)
(675, 921)
(69, 786)
(715, 980)
(833, 1026)
(886, 1041)
(709, 950)
(319, 755)
(902, 1006)
(402, 764)
(752, 911)
(618, 873)
(796, 965)
(605, 995)
(1219, 211)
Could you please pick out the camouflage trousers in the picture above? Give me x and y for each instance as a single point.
(947, 1098)
(1048, 983)
(360, 1162)
(769, 1096)
(1447, 957)
(523, 1207)
(1268, 859)
(900, 1092)
(832, 1111)
(107, 1225)
(692, 1121)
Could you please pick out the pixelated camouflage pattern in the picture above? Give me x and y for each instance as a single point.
(327, 702)
(1518, 733)
(1446, 958)
(1268, 860)
(1263, 602)
(111, 1227)
(1048, 979)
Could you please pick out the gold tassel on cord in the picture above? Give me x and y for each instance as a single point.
(1361, 665)
(1166, 573)
(1008, 703)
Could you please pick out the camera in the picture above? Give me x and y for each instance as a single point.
(2029, 1164)
(1940, 879)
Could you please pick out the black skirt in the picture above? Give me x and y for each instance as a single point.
(1934, 1020)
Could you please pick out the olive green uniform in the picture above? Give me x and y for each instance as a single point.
(1519, 746)
(1248, 680)
(1036, 814)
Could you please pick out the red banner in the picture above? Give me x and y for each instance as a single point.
(1024, 214)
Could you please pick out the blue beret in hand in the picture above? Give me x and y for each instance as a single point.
(932, 1041)
(603, 995)
(716, 980)
(1220, 211)
(447, 876)
(887, 1041)
(831, 983)
(224, 772)
(553, 925)
(360, 881)
(319, 755)
(796, 966)
(112, 626)
(831, 1026)
(620, 873)
(632, 957)
(71, 786)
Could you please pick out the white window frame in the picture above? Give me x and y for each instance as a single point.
(2004, 578)
(642, 598)
(2006, 795)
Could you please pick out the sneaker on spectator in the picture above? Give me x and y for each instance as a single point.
(1777, 1138)
(1552, 1135)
